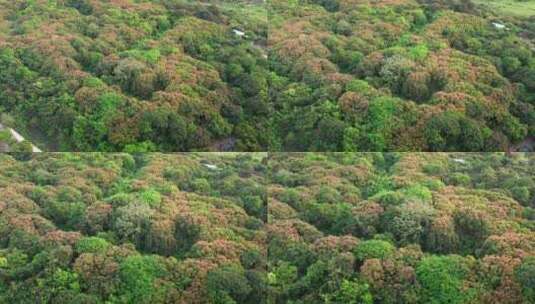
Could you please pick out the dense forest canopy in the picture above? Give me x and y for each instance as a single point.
(296, 228)
(401, 228)
(401, 75)
(120, 228)
(177, 75)
(280, 75)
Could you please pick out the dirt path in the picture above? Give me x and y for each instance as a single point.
(18, 138)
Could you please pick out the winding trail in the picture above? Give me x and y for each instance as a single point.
(19, 138)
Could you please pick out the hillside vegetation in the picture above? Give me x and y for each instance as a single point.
(158, 75)
(524, 8)
(401, 228)
(119, 228)
(288, 228)
(400, 75)
(283, 75)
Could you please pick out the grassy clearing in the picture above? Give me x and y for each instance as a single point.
(515, 8)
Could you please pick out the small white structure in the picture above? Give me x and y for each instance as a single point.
(459, 160)
(499, 25)
(238, 33)
(211, 167)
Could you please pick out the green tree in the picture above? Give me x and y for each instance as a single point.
(442, 279)
(91, 245)
(472, 229)
(525, 275)
(187, 233)
(350, 292)
(227, 285)
(138, 274)
(373, 249)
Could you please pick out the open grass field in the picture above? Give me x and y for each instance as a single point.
(525, 8)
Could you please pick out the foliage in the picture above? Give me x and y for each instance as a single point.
(427, 75)
(525, 276)
(131, 76)
(328, 75)
(373, 249)
(227, 285)
(442, 279)
(121, 228)
(400, 227)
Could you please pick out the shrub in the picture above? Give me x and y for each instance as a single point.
(150, 197)
(138, 274)
(91, 245)
(227, 285)
(350, 292)
(442, 279)
(373, 249)
(525, 275)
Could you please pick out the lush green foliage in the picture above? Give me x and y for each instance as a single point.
(159, 75)
(329, 75)
(121, 228)
(256, 228)
(401, 228)
(401, 75)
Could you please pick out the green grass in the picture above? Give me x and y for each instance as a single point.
(525, 8)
